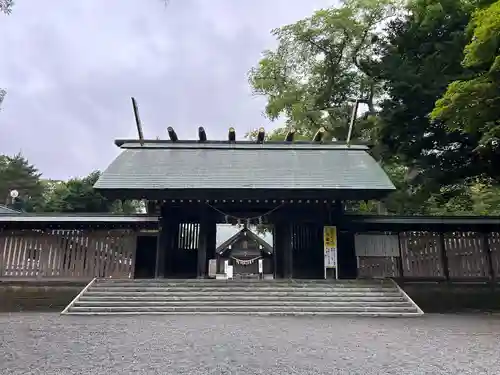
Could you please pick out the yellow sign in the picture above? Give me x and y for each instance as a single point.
(330, 237)
(330, 245)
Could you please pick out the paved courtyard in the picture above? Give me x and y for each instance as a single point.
(434, 344)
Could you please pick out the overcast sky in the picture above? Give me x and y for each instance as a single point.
(70, 68)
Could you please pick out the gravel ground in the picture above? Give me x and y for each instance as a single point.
(434, 344)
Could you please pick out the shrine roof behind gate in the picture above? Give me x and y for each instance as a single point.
(244, 233)
(243, 165)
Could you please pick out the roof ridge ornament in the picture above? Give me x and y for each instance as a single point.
(351, 124)
(289, 136)
(261, 135)
(202, 135)
(231, 135)
(319, 135)
(172, 134)
(138, 121)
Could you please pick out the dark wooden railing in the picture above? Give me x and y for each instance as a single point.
(450, 251)
(408, 248)
(71, 254)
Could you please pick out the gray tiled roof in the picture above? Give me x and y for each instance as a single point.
(4, 210)
(243, 166)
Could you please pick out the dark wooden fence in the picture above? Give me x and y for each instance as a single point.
(71, 254)
(443, 253)
(414, 248)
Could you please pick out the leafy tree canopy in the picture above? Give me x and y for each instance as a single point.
(399, 60)
(321, 65)
(39, 195)
(16, 173)
(6, 6)
(420, 56)
(471, 105)
(78, 195)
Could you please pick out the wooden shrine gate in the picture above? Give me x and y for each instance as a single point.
(71, 254)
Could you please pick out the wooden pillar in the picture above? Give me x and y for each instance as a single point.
(3, 251)
(444, 257)
(287, 251)
(276, 251)
(489, 258)
(171, 248)
(283, 249)
(168, 234)
(206, 227)
(161, 247)
(211, 236)
(165, 252)
(401, 271)
(337, 211)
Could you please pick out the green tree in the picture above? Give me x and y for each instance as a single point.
(419, 57)
(322, 64)
(471, 105)
(353, 52)
(486, 199)
(6, 6)
(2, 96)
(78, 195)
(279, 134)
(16, 173)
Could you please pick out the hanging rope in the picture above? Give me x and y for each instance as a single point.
(245, 262)
(247, 220)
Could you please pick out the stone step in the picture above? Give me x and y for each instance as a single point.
(238, 289)
(230, 303)
(237, 281)
(248, 299)
(268, 308)
(209, 297)
(230, 293)
(255, 313)
(235, 284)
(213, 281)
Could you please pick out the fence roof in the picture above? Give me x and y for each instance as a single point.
(364, 222)
(77, 217)
(4, 210)
(76, 220)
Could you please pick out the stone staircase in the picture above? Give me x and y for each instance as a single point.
(249, 297)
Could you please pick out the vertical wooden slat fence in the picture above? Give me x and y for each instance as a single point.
(377, 255)
(494, 248)
(83, 254)
(421, 253)
(466, 255)
(454, 255)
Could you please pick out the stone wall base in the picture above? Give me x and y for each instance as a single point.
(454, 297)
(54, 296)
(37, 296)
